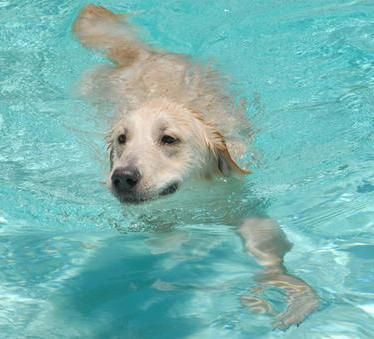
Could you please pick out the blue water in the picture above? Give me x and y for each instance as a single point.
(69, 266)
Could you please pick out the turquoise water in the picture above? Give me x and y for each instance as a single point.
(69, 269)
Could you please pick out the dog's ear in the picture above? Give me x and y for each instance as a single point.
(111, 158)
(227, 165)
(110, 150)
(217, 145)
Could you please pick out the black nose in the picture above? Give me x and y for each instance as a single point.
(125, 178)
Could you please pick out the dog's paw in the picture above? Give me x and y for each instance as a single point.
(300, 307)
(257, 304)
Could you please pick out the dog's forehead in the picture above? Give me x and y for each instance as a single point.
(156, 110)
(160, 115)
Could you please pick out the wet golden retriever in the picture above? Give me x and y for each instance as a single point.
(177, 124)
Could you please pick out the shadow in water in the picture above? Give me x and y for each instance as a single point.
(115, 295)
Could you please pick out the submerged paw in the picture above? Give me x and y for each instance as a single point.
(298, 310)
(257, 305)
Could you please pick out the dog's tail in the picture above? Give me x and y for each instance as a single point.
(100, 29)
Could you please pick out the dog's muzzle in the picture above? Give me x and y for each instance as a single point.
(126, 186)
(125, 179)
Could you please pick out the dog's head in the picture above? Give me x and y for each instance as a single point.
(158, 147)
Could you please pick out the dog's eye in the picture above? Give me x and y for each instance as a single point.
(168, 140)
(122, 139)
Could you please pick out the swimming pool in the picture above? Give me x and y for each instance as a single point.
(69, 270)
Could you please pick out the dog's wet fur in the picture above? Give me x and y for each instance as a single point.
(177, 124)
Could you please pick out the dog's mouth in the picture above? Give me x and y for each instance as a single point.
(136, 198)
(170, 189)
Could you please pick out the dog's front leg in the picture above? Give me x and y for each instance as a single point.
(264, 239)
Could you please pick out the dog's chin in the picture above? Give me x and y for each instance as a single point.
(140, 198)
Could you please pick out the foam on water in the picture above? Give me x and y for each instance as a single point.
(69, 269)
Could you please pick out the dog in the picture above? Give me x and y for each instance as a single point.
(177, 125)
